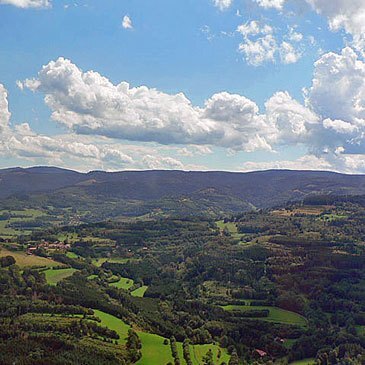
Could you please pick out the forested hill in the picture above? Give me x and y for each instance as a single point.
(239, 190)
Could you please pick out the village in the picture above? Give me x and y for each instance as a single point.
(48, 246)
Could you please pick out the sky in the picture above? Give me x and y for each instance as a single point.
(234, 85)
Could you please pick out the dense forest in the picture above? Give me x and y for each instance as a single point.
(281, 285)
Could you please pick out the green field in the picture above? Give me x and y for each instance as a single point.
(123, 283)
(232, 228)
(115, 260)
(17, 216)
(333, 217)
(55, 276)
(71, 237)
(140, 291)
(24, 260)
(92, 277)
(154, 352)
(276, 315)
(71, 255)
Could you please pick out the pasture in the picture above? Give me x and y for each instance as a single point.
(154, 352)
(115, 260)
(304, 210)
(140, 291)
(276, 315)
(71, 255)
(17, 216)
(231, 227)
(54, 276)
(123, 283)
(24, 260)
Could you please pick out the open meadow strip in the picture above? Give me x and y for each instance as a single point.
(54, 276)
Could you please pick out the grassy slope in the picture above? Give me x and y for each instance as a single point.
(232, 228)
(154, 352)
(140, 291)
(123, 283)
(117, 260)
(29, 215)
(55, 276)
(276, 314)
(24, 260)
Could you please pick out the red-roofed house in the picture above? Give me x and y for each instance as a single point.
(261, 353)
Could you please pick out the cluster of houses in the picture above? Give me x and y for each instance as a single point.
(57, 245)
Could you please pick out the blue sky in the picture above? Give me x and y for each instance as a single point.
(243, 52)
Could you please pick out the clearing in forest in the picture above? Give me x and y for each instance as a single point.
(276, 315)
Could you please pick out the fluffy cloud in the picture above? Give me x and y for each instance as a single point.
(344, 14)
(157, 163)
(293, 121)
(4, 110)
(127, 22)
(260, 44)
(331, 124)
(222, 4)
(88, 103)
(308, 162)
(338, 96)
(276, 4)
(333, 162)
(288, 53)
(75, 151)
(27, 3)
(338, 87)
(348, 15)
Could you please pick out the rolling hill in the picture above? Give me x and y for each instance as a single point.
(140, 192)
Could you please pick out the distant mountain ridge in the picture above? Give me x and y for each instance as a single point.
(260, 189)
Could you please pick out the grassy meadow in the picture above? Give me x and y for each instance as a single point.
(276, 315)
(232, 229)
(123, 283)
(54, 276)
(117, 260)
(140, 291)
(24, 260)
(154, 352)
(17, 216)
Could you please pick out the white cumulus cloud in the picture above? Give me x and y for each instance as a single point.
(4, 110)
(27, 3)
(260, 44)
(88, 103)
(347, 15)
(338, 87)
(223, 4)
(330, 125)
(267, 4)
(344, 14)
